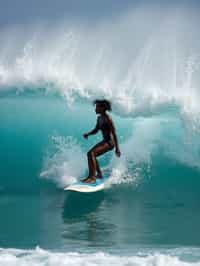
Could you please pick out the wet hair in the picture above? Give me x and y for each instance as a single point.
(104, 103)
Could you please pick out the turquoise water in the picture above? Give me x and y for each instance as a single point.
(148, 214)
(146, 61)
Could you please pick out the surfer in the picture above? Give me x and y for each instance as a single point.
(106, 126)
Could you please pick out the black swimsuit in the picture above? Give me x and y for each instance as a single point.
(104, 126)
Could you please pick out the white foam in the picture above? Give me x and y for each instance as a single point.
(143, 60)
(136, 152)
(40, 257)
(66, 162)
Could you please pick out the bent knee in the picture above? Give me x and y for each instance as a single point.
(90, 153)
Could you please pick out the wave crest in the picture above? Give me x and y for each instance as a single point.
(143, 67)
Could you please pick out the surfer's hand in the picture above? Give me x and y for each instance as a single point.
(118, 152)
(85, 136)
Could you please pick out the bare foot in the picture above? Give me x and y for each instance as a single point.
(91, 179)
(99, 175)
(85, 179)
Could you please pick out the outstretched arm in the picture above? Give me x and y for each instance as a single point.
(93, 132)
(113, 130)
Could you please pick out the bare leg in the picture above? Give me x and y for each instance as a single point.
(93, 165)
(98, 169)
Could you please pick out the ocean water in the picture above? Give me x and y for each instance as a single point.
(149, 213)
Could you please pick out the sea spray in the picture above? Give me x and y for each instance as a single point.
(142, 67)
(66, 163)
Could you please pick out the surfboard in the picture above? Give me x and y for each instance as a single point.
(81, 186)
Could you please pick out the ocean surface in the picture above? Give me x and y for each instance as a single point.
(149, 213)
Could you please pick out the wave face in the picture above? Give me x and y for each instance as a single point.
(41, 137)
(147, 63)
(150, 71)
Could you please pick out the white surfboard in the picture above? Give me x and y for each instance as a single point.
(81, 186)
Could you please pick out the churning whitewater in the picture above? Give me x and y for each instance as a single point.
(146, 62)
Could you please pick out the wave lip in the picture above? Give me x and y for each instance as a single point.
(150, 66)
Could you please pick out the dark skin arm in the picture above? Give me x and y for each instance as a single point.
(113, 130)
(93, 132)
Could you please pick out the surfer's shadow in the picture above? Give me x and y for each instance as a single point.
(79, 206)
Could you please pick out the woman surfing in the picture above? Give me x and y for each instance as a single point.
(109, 142)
